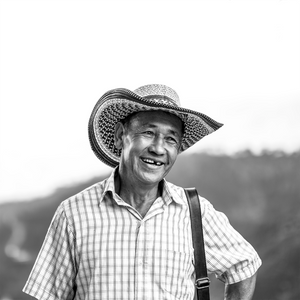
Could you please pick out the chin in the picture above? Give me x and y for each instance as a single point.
(152, 179)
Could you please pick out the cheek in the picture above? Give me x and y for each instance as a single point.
(173, 157)
(139, 144)
(173, 152)
(132, 147)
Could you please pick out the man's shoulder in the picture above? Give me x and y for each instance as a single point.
(179, 191)
(87, 197)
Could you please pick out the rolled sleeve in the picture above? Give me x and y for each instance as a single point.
(229, 256)
(53, 274)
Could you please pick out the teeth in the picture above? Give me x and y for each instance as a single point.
(150, 161)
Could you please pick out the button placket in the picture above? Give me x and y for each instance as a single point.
(140, 257)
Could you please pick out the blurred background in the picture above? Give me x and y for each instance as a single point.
(236, 61)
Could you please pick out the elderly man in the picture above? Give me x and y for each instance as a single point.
(129, 237)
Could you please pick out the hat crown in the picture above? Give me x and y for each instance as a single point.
(159, 93)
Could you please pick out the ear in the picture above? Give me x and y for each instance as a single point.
(119, 132)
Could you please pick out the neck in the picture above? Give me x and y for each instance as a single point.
(139, 197)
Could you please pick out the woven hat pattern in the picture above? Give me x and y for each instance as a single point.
(159, 93)
(117, 104)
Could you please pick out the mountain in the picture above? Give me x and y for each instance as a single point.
(261, 197)
(259, 194)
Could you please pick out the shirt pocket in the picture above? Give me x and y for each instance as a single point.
(178, 269)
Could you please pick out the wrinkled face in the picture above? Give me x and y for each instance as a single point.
(150, 143)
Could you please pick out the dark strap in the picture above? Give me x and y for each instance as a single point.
(202, 281)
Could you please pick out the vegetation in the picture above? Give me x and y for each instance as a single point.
(260, 195)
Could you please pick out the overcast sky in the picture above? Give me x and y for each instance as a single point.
(236, 61)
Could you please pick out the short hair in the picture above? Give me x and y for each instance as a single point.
(126, 121)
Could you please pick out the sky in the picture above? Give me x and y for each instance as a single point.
(236, 61)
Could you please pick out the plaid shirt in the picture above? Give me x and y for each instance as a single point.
(99, 247)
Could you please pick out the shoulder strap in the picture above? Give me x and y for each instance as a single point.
(202, 281)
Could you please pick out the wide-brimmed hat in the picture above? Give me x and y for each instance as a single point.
(117, 104)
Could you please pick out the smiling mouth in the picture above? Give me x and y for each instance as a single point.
(152, 162)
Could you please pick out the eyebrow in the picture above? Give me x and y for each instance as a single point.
(171, 131)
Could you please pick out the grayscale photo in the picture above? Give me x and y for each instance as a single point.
(149, 150)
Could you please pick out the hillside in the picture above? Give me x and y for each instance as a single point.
(260, 195)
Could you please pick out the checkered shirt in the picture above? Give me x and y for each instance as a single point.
(99, 247)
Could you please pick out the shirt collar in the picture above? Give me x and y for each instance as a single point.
(169, 193)
(110, 185)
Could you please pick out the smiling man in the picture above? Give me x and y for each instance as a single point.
(129, 237)
(150, 142)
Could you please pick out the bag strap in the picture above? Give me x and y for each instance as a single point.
(202, 281)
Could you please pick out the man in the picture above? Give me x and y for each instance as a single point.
(129, 237)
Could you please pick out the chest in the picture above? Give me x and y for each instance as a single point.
(114, 232)
(150, 257)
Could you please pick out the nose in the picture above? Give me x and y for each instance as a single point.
(158, 146)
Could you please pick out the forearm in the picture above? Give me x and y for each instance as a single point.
(242, 290)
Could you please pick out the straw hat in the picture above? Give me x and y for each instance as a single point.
(117, 104)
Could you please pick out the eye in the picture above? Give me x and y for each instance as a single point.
(148, 132)
(172, 140)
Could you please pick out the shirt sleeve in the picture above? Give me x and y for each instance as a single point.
(53, 273)
(229, 256)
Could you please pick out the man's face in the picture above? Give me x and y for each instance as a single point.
(150, 144)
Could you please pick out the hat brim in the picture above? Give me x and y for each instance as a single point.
(117, 104)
